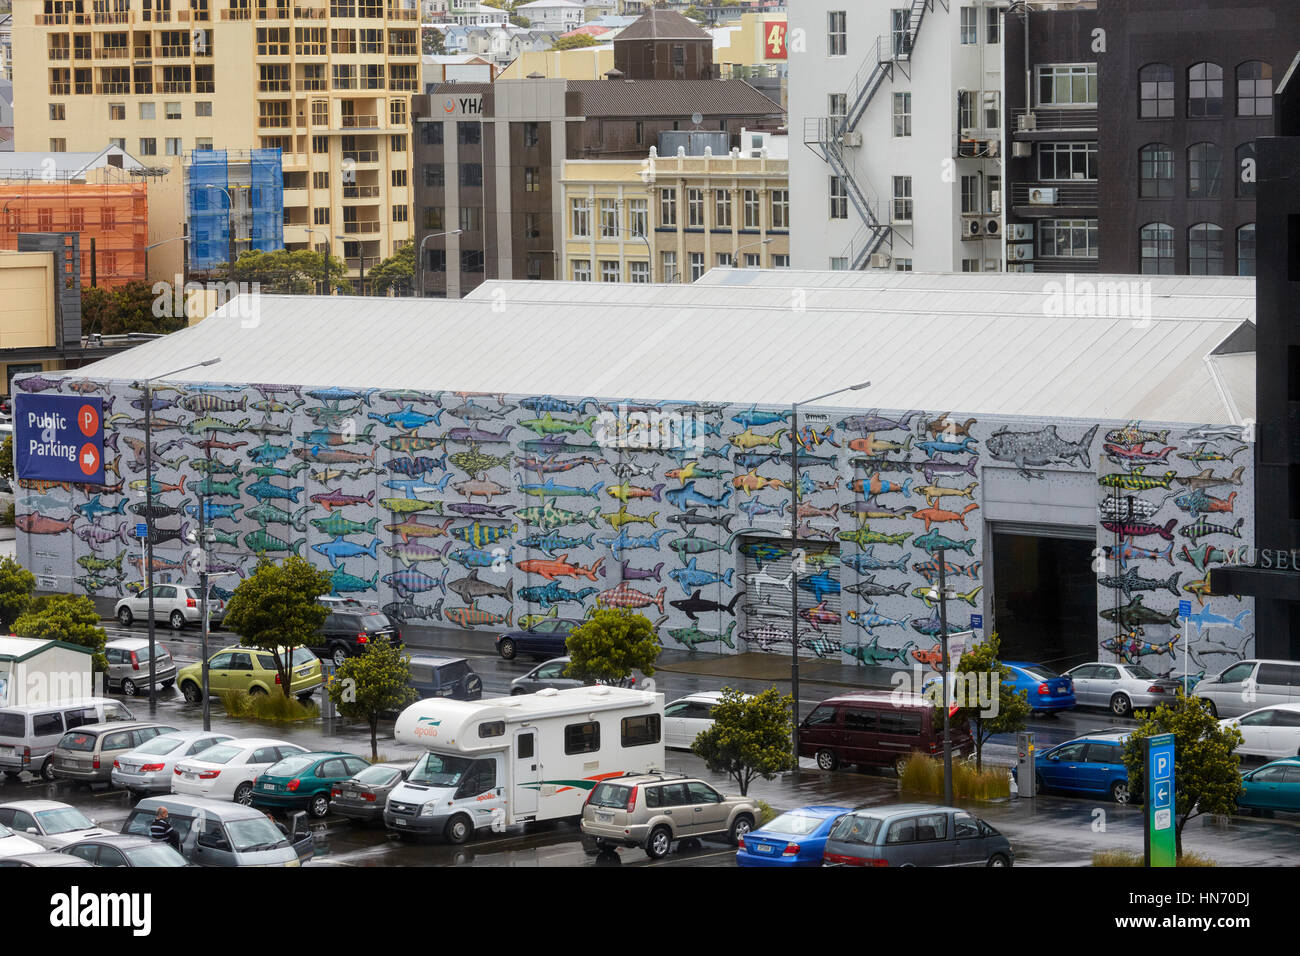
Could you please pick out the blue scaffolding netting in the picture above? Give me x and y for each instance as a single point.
(208, 209)
(267, 200)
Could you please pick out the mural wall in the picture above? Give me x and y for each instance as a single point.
(488, 512)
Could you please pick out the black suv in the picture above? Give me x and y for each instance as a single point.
(445, 677)
(350, 626)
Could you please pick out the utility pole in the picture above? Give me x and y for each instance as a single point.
(947, 718)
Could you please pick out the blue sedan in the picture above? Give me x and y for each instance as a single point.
(797, 838)
(1045, 688)
(544, 640)
(1274, 786)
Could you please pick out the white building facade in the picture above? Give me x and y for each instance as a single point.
(559, 16)
(898, 106)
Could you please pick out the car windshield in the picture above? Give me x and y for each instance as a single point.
(5, 832)
(220, 754)
(84, 742)
(856, 829)
(154, 854)
(302, 656)
(1140, 672)
(63, 820)
(376, 776)
(795, 824)
(255, 833)
(159, 745)
(1039, 671)
(290, 766)
(439, 770)
(611, 795)
(375, 621)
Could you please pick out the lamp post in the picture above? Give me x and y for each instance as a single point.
(735, 256)
(940, 594)
(420, 253)
(148, 512)
(794, 547)
(329, 254)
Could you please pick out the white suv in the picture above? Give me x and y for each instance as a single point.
(176, 604)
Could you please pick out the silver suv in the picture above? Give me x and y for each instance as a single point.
(653, 811)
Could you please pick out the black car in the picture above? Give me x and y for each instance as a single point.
(350, 627)
(544, 640)
(445, 677)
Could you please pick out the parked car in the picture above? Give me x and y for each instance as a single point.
(796, 838)
(544, 639)
(349, 628)
(547, 674)
(1274, 786)
(363, 795)
(1247, 685)
(1092, 763)
(1268, 731)
(653, 811)
(1046, 690)
(128, 665)
(13, 844)
(445, 677)
(227, 771)
(915, 834)
(118, 849)
(251, 670)
(685, 718)
(48, 823)
(174, 603)
(876, 729)
(216, 833)
(48, 858)
(1123, 688)
(148, 768)
(86, 754)
(304, 781)
(29, 734)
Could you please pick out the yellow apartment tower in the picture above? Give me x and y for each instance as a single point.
(328, 82)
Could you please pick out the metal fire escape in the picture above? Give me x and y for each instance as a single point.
(830, 136)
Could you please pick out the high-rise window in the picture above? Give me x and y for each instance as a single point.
(580, 218)
(970, 33)
(581, 270)
(1205, 250)
(839, 198)
(668, 262)
(970, 194)
(1204, 171)
(471, 174)
(148, 146)
(695, 207)
(1067, 84)
(1067, 238)
(532, 179)
(993, 25)
(902, 199)
(1254, 89)
(469, 134)
(638, 270)
(722, 208)
(753, 211)
(697, 265)
(1156, 91)
(902, 114)
(611, 270)
(638, 217)
(1204, 91)
(836, 33)
(668, 206)
(1246, 250)
(780, 209)
(1157, 242)
(609, 219)
(532, 135)
(431, 133)
(1064, 161)
(1156, 172)
(435, 175)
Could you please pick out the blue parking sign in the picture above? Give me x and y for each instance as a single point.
(1184, 608)
(141, 530)
(977, 622)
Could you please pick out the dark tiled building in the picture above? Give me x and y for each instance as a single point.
(664, 45)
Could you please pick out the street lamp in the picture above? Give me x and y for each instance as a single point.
(940, 594)
(794, 547)
(148, 512)
(420, 253)
(735, 256)
(329, 254)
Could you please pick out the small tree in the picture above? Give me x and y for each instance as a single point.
(371, 684)
(1012, 705)
(397, 272)
(71, 618)
(574, 42)
(750, 736)
(1206, 767)
(432, 42)
(275, 609)
(16, 587)
(610, 644)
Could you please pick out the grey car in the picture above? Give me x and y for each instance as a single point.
(86, 754)
(118, 849)
(362, 797)
(547, 674)
(1248, 685)
(128, 665)
(915, 834)
(1122, 688)
(220, 833)
(52, 824)
(49, 858)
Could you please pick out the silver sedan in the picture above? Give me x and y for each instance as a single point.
(1122, 688)
(149, 767)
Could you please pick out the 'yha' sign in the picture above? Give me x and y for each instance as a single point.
(59, 438)
(467, 105)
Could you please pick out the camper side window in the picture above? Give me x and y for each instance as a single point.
(582, 738)
(496, 728)
(640, 731)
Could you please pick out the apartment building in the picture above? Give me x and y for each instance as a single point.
(899, 104)
(326, 82)
(679, 212)
(557, 16)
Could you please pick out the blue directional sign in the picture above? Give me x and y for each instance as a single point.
(1184, 608)
(59, 438)
(977, 622)
(1161, 845)
(141, 530)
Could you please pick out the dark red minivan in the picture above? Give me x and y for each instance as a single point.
(877, 729)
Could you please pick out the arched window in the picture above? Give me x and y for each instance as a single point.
(1205, 250)
(1254, 89)
(1246, 169)
(1204, 91)
(1204, 171)
(1156, 171)
(1156, 91)
(1246, 250)
(1157, 240)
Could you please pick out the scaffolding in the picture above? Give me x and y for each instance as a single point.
(235, 202)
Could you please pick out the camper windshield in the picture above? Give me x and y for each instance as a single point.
(439, 770)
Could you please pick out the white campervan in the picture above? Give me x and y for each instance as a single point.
(507, 760)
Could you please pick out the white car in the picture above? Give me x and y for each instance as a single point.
(1268, 731)
(11, 844)
(48, 823)
(227, 771)
(174, 603)
(149, 767)
(1121, 688)
(685, 718)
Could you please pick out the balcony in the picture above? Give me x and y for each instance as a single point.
(51, 19)
(310, 13)
(236, 14)
(109, 19)
(361, 192)
(112, 53)
(395, 13)
(1046, 122)
(171, 52)
(361, 122)
(360, 228)
(1049, 199)
(362, 155)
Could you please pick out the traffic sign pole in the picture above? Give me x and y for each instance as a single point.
(1184, 610)
(1161, 838)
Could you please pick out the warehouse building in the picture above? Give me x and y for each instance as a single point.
(1080, 452)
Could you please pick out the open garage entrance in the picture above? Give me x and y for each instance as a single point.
(1045, 594)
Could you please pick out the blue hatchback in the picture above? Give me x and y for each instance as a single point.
(1089, 764)
(1045, 688)
(797, 838)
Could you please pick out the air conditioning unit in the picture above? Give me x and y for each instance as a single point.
(851, 139)
(992, 265)
(1020, 251)
(880, 260)
(1042, 196)
(1026, 122)
(992, 227)
(972, 227)
(1020, 232)
(1022, 150)
(991, 148)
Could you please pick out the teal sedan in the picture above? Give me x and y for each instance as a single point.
(304, 781)
(1274, 786)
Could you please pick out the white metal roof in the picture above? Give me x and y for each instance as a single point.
(983, 343)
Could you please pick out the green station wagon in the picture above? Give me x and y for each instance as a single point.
(304, 781)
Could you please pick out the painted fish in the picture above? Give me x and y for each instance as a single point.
(691, 637)
(864, 511)
(475, 462)
(408, 582)
(1207, 479)
(333, 500)
(1198, 502)
(866, 560)
(872, 654)
(553, 593)
(751, 482)
(215, 466)
(264, 491)
(341, 582)
(1115, 508)
(546, 466)
(750, 439)
(340, 549)
(1209, 433)
(626, 542)
(626, 491)
(930, 569)
(1134, 434)
(1203, 452)
(1130, 581)
(875, 485)
(690, 576)
(870, 587)
(1136, 480)
(936, 466)
(692, 516)
(935, 446)
(630, 573)
(869, 619)
(923, 592)
(1127, 551)
(933, 541)
(336, 525)
(623, 595)
(548, 517)
(39, 383)
(549, 403)
(551, 568)
(211, 423)
(548, 425)
(623, 516)
(871, 445)
(1205, 617)
(327, 456)
(211, 511)
(874, 422)
(1039, 448)
(1135, 614)
(342, 394)
(410, 554)
(477, 534)
(91, 510)
(212, 444)
(551, 542)
(696, 605)
(205, 402)
(408, 610)
(1143, 529)
(1201, 528)
(267, 453)
(935, 515)
(1205, 555)
(865, 535)
(818, 615)
(158, 487)
(549, 489)
(36, 523)
(269, 406)
(686, 496)
(692, 470)
(1127, 454)
(266, 513)
(756, 507)
(269, 471)
(261, 541)
(753, 418)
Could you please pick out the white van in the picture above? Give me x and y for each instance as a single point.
(494, 763)
(29, 734)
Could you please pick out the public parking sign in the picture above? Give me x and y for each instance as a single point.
(59, 438)
(1161, 840)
